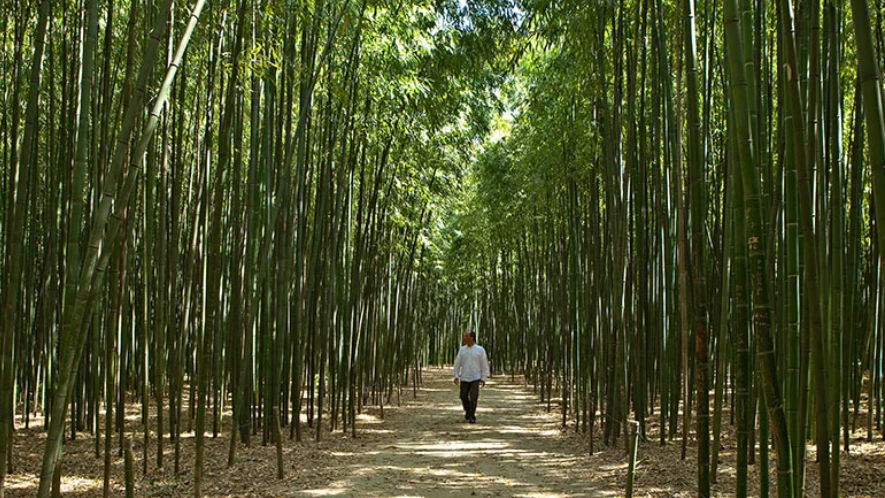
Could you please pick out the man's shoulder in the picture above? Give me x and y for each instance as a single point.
(480, 349)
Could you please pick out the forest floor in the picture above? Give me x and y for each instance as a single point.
(424, 448)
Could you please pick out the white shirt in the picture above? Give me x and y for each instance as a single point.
(471, 363)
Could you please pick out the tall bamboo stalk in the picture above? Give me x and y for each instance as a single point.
(93, 267)
(756, 253)
(13, 238)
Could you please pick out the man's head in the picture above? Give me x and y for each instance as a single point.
(470, 337)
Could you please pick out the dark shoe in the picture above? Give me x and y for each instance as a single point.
(472, 420)
(467, 417)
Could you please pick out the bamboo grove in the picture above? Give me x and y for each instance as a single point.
(675, 222)
(248, 217)
(215, 212)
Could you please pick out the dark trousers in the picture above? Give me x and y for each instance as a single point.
(469, 396)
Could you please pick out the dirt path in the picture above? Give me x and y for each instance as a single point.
(420, 449)
(425, 448)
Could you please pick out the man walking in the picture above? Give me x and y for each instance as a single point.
(471, 370)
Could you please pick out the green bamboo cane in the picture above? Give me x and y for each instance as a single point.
(792, 297)
(812, 266)
(698, 208)
(96, 259)
(741, 323)
(113, 328)
(72, 253)
(792, 292)
(112, 311)
(672, 159)
(210, 346)
(852, 298)
(837, 233)
(756, 251)
(252, 240)
(14, 234)
(727, 268)
(163, 343)
(236, 324)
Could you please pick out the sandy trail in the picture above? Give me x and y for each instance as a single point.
(422, 448)
(425, 448)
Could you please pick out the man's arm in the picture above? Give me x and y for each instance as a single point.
(484, 366)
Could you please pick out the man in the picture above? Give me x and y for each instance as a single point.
(471, 370)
